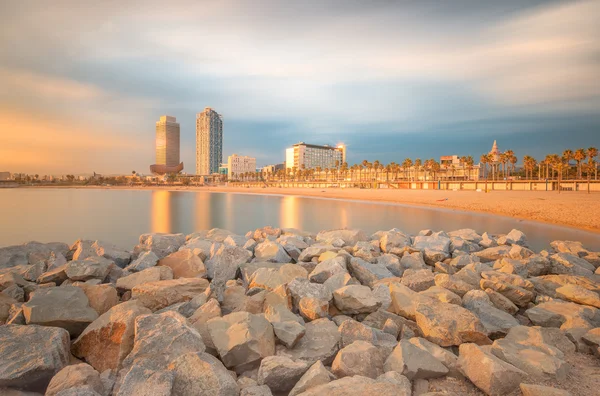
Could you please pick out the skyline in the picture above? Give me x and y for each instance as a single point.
(390, 81)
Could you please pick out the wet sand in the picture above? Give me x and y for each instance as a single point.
(575, 209)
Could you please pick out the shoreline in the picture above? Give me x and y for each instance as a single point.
(568, 209)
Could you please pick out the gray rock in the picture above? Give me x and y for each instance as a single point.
(161, 244)
(281, 373)
(414, 362)
(95, 267)
(328, 268)
(356, 386)
(138, 381)
(496, 322)
(368, 273)
(31, 355)
(350, 237)
(320, 342)
(161, 294)
(418, 280)
(152, 274)
(355, 299)
(120, 257)
(351, 331)
(358, 358)
(271, 252)
(77, 377)
(145, 260)
(184, 264)
(539, 390)
(199, 373)
(316, 375)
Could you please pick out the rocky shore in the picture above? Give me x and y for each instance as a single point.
(286, 312)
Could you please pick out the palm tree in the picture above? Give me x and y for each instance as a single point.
(580, 155)
(589, 167)
(567, 157)
(484, 160)
(470, 162)
(593, 153)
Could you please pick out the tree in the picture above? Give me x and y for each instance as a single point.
(593, 153)
(590, 167)
(567, 157)
(580, 155)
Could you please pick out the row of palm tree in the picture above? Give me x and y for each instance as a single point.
(555, 166)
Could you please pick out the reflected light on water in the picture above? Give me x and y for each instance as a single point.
(290, 213)
(160, 212)
(202, 215)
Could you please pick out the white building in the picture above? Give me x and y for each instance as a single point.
(209, 142)
(309, 156)
(238, 164)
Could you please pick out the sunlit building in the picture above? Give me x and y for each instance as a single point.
(309, 156)
(237, 165)
(209, 142)
(167, 147)
(272, 169)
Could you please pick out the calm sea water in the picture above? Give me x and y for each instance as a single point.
(120, 216)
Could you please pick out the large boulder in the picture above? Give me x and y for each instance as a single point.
(119, 256)
(67, 307)
(270, 251)
(492, 375)
(350, 331)
(91, 268)
(367, 273)
(138, 381)
(355, 299)
(160, 244)
(328, 268)
(185, 264)
(358, 386)
(109, 339)
(447, 358)
(224, 265)
(414, 363)
(316, 375)
(280, 373)
(145, 260)
(394, 242)
(579, 295)
(152, 274)
(198, 373)
(350, 237)
(31, 355)
(570, 264)
(358, 358)
(496, 322)
(242, 339)
(449, 324)
(161, 294)
(320, 342)
(272, 278)
(101, 297)
(78, 377)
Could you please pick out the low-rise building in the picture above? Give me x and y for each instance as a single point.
(310, 156)
(5, 176)
(238, 165)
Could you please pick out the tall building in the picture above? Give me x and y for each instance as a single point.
(167, 146)
(209, 142)
(310, 156)
(238, 164)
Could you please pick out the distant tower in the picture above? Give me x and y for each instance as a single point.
(495, 152)
(209, 142)
(167, 146)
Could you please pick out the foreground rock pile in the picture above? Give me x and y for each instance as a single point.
(286, 312)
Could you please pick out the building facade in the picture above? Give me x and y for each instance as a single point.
(209, 142)
(272, 169)
(238, 165)
(167, 146)
(309, 156)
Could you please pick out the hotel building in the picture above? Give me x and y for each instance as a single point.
(309, 156)
(209, 142)
(167, 147)
(238, 164)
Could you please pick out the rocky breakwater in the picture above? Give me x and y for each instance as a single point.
(286, 312)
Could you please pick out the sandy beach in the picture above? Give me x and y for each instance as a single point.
(574, 209)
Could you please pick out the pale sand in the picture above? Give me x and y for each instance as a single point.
(575, 209)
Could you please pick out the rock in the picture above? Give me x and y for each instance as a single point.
(223, 266)
(242, 339)
(442, 295)
(496, 322)
(316, 375)
(569, 264)
(109, 339)
(160, 244)
(101, 297)
(160, 339)
(13, 292)
(152, 274)
(258, 390)
(200, 319)
(555, 313)
(201, 374)
(288, 327)
(320, 342)
(514, 237)
(31, 355)
(67, 307)
(90, 268)
(368, 273)
(592, 338)
(55, 260)
(351, 331)
(519, 296)
(548, 340)
(532, 361)
(414, 362)
(403, 383)
(356, 386)
(235, 240)
(120, 257)
(313, 308)
(300, 288)
(539, 390)
(394, 242)
(449, 324)
(444, 356)
(271, 252)
(355, 299)
(315, 251)
(493, 253)
(82, 249)
(579, 295)
(161, 294)
(434, 243)
(350, 237)
(418, 280)
(502, 302)
(338, 281)
(57, 275)
(367, 251)
(35, 271)
(145, 260)
(490, 374)
(272, 278)
(185, 264)
(280, 373)
(328, 268)
(78, 377)
(138, 381)
(466, 234)
(358, 358)
(454, 284)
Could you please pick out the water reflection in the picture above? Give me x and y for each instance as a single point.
(121, 216)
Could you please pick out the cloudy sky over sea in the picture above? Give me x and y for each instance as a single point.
(83, 83)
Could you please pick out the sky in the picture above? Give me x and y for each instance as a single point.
(82, 84)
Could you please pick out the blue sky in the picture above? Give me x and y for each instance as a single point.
(85, 83)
